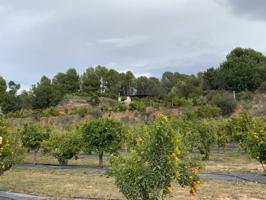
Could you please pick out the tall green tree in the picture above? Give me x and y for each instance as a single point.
(11, 101)
(43, 94)
(90, 82)
(66, 83)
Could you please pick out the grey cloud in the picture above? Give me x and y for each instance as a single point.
(147, 37)
(253, 9)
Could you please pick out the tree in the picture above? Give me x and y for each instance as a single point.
(11, 102)
(32, 136)
(66, 83)
(148, 86)
(250, 133)
(212, 80)
(153, 164)
(9, 148)
(3, 88)
(43, 94)
(244, 69)
(127, 83)
(102, 135)
(26, 99)
(90, 82)
(62, 145)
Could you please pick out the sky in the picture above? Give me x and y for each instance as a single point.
(148, 37)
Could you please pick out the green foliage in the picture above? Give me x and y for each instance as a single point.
(119, 107)
(152, 164)
(65, 83)
(63, 145)
(181, 101)
(201, 134)
(50, 112)
(226, 103)
(199, 101)
(250, 132)
(208, 111)
(148, 86)
(82, 112)
(262, 87)
(32, 136)
(102, 135)
(244, 69)
(9, 147)
(11, 102)
(137, 105)
(43, 94)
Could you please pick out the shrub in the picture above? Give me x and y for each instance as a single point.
(152, 165)
(9, 148)
(250, 132)
(62, 145)
(82, 112)
(199, 101)
(32, 136)
(50, 112)
(204, 137)
(226, 103)
(102, 135)
(208, 111)
(181, 101)
(262, 87)
(119, 107)
(137, 106)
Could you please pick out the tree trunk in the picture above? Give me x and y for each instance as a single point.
(263, 168)
(101, 159)
(35, 156)
(62, 161)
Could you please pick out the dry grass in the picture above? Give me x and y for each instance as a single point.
(234, 163)
(44, 159)
(67, 184)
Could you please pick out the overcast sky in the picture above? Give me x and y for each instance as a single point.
(149, 37)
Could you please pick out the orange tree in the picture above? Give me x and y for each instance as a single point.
(102, 135)
(199, 134)
(63, 145)
(153, 164)
(10, 147)
(32, 136)
(250, 133)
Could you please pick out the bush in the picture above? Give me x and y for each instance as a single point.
(32, 136)
(244, 95)
(250, 132)
(226, 103)
(82, 112)
(63, 146)
(50, 112)
(137, 106)
(208, 111)
(204, 136)
(9, 148)
(181, 101)
(102, 135)
(152, 165)
(199, 101)
(119, 107)
(262, 87)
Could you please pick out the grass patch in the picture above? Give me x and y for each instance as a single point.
(82, 160)
(234, 162)
(67, 184)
